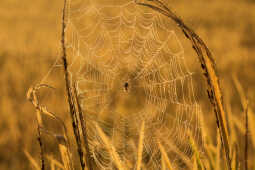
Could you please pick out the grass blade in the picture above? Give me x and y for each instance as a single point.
(140, 148)
(32, 161)
(164, 156)
(111, 149)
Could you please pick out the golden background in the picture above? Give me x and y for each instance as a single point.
(30, 33)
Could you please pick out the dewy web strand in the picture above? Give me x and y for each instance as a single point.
(130, 67)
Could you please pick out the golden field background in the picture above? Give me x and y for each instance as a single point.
(30, 33)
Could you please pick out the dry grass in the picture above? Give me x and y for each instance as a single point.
(72, 147)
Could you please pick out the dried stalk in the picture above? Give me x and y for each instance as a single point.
(83, 124)
(33, 98)
(39, 138)
(208, 65)
(70, 96)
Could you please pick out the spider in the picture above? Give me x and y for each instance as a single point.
(126, 86)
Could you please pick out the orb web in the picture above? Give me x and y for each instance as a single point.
(130, 67)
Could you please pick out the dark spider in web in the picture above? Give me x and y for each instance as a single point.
(126, 86)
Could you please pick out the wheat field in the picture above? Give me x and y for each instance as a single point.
(170, 87)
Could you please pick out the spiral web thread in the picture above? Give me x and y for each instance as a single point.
(130, 68)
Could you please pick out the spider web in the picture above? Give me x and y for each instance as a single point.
(130, 67)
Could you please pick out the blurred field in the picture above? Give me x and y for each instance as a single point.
(30, 43)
